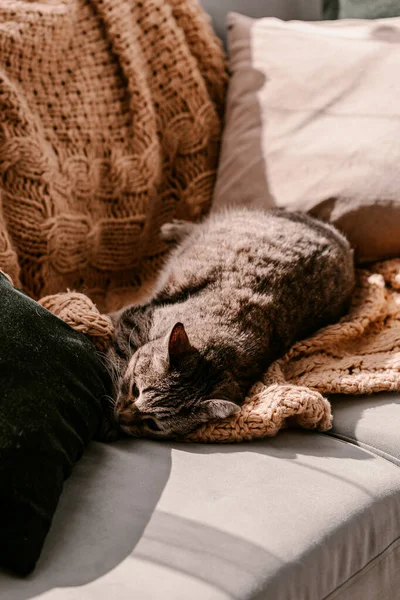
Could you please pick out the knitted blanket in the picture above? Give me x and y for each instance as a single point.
(358, 355)
(109, 126)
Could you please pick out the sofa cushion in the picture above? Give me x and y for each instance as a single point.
(51, 382)
(307, 126)
(370, 421)
(302, 515)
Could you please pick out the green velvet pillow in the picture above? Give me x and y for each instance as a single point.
(51, 386)
(368, 9)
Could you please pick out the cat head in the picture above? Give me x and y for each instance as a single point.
(167, 389)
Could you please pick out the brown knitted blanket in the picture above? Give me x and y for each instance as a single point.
(110, 125)
(358, 355)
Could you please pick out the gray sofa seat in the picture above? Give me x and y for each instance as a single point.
(302, 516)
(371, 422)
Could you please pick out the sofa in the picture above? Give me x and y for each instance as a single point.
(301, 516)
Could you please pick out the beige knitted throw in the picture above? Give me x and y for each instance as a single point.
(109, 126)
(358, 355)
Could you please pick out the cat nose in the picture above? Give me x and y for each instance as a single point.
(128, 416)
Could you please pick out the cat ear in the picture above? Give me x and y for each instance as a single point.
(219, 409)
(178, 343)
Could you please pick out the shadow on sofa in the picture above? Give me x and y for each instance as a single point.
(103, 511)
(108, 510)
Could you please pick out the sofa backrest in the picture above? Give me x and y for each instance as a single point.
(306, 10)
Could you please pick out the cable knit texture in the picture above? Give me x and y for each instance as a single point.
(358, 355)
(110, 126)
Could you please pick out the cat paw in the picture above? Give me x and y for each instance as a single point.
(175, 231)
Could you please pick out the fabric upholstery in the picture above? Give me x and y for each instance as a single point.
(302, 515)
(368, 9)
(307, 10)
(371, 421)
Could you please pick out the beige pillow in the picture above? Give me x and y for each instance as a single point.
(313, 123)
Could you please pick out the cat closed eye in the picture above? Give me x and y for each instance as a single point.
(135, 391)
(151, 424)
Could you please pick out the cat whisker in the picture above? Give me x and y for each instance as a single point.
(130, 338)
(112, 370)
(111, 401)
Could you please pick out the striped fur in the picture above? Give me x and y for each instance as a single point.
(245, 285)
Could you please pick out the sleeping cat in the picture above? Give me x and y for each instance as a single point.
(235, 294)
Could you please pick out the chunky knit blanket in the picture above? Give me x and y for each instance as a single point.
(358, 355)
(109, 126)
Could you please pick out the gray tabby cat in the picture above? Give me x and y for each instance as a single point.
(235, 294)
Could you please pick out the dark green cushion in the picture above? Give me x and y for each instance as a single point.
(51, 385)
(368, 9)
